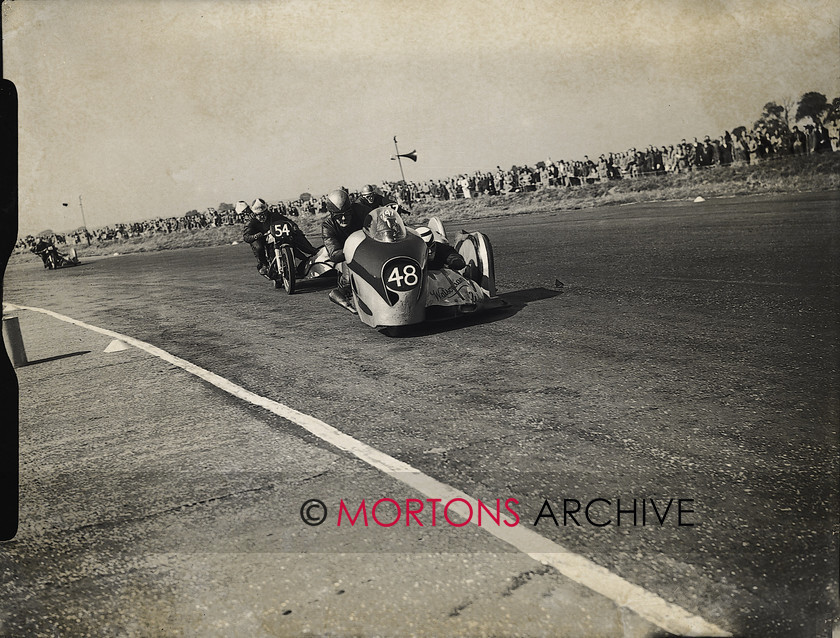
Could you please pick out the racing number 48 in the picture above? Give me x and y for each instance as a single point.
(401, 275)
(407, 278)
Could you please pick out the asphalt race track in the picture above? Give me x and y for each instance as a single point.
(678, 352)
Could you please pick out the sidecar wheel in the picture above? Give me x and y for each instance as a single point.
(478, 253)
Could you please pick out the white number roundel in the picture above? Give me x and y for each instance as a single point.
(282, 230)
(401, 274)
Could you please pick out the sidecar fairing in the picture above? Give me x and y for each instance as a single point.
(451, 293)
(387, 271)
(392, 285)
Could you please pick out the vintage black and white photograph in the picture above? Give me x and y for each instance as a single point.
(439, 318)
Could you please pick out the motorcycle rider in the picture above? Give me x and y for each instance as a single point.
(43, 247)
(440, 254)
(243, 209)
(255, 231)
(259, 226)
(301, 245)
(345, 217)
(371, 199)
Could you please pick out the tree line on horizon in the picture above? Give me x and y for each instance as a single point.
(776, 118)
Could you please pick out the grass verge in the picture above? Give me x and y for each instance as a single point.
(812, 173)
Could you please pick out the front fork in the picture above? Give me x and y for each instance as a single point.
(278, 262)
(274, 247)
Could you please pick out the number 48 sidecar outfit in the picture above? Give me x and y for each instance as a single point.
(392, 285)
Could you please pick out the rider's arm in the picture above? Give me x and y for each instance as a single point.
(452, 258)
(333, 244)
(252, 232)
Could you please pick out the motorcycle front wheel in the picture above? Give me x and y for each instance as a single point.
(287, 267)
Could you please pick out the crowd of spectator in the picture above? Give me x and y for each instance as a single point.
(744, 147)
(741, 147)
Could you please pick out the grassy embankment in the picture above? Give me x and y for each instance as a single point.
(784, 175)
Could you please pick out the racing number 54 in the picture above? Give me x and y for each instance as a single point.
(282, 230)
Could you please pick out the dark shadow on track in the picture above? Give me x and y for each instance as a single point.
(67, 266)
(522, 298)
(55, 358)
(306, 286)
(315, 285)
(515, 301)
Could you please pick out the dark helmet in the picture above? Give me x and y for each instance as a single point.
(338, 203)
(369, 193)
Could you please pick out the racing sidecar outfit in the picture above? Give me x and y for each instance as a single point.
(43, 249)
(255, 232)
(394, 285)
(282, 225)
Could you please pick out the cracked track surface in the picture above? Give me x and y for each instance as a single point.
(179, 516)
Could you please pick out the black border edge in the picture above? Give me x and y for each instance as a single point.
(9, 418)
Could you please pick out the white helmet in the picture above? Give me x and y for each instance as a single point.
(259, 206)
(426, 234)
(241, 207)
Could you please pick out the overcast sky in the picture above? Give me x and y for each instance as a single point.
(152, 108)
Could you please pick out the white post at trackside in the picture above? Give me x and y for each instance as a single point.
(14, 341)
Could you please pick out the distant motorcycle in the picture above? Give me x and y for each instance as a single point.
(284, 270)
(54, 259)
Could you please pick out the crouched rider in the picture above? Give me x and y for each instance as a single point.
(345, 218)
(440, 254)
(260, 226)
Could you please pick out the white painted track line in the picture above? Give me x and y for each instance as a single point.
(668, 616)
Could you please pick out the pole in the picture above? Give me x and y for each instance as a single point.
(399, 161)
(14, 341)
(84, 223)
